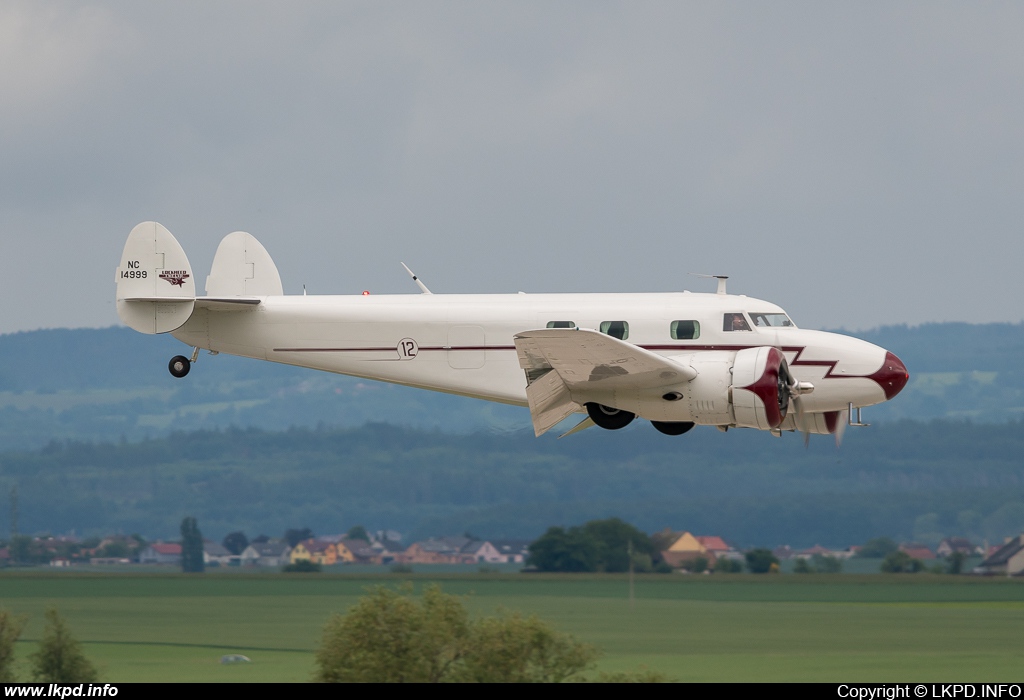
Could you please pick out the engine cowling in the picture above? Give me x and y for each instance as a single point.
(760, 388)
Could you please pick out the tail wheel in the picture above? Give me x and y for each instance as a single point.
(671, 428)
(179, 366)
(609, 418)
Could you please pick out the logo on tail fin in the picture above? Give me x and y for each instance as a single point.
(175, 277)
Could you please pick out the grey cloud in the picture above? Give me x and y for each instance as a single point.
(858, 164)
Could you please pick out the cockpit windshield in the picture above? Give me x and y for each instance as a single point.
(771, 320)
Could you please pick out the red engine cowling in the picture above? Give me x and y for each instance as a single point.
(760, 388)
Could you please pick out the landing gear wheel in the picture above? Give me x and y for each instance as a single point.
(179, 366)
(609, 418)
(671, 428)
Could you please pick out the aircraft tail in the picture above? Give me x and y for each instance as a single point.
(155, 289)
(242, 267)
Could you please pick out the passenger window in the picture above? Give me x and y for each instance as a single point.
(735, 322)
(616, 329)
(561, 324)
(685, 330)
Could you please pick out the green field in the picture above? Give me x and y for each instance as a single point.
(736, 628)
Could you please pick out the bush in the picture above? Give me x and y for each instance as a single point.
(389, 636)
(955, 562)
(877, 548)
(59, 658)
(760, 561)
(598, 545)
(303, 566)
(727, 566)
(901, 563)
(697, 565)
(10, 630)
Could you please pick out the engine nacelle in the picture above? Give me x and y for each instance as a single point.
(760, 388)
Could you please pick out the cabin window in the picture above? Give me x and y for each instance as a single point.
(771, 320)
(735, 322)
(685, 330)
(561, 324)
(616, 329)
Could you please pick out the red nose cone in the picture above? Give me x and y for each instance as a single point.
(893, 375)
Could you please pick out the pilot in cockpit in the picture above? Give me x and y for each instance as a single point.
(735, 322)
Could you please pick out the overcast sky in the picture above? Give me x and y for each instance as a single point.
(858, 163)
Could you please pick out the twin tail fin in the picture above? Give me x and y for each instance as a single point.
(156, 291)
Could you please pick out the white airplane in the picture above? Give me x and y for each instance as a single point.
(676, 359)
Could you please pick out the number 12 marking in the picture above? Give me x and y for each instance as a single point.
(407, 349)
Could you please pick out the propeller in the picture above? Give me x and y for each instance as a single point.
(791, 391)
(841, 422)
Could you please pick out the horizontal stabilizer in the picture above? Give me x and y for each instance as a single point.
(228, 303)
(154, 272)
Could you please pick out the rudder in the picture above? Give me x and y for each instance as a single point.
(155, 289)
(242, 267)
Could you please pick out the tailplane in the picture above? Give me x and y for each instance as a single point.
(155, 289)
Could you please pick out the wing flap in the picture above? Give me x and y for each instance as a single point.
(549, 401)
(587, 359)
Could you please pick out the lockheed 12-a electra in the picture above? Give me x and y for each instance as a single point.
(675, 359)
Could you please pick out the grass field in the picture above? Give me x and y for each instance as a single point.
(737, 628)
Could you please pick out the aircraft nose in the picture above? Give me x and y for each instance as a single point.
(893, 375)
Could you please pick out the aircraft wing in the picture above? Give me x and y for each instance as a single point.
(563, 364)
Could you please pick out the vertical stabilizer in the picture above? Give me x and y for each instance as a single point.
(242, 267)
(155, 289)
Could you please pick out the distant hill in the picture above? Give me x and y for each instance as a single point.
(105, 384)
(908, 480)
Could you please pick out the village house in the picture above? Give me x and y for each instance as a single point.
(316, 551)
(685, 549)
(436, 550)
(161, 553)
(360, 552)
(389, 551)
(215, 554)
(512, 551)
(916, 550)
(481, 552)
(783, 552)
(1008, 560)
(273, 553)
(957, 544)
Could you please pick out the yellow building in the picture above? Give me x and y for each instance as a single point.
(318, 552)
(686, 548)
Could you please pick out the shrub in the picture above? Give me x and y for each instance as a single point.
(10, 630)
(389, 636)
(901, 563)
(303, 566)
(760, 561)
(59, 658)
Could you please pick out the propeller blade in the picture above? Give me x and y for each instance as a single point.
(841, 421)
(801, 424)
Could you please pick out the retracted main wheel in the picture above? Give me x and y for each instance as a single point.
(179, 366)
(609, 418)
(677, 428)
